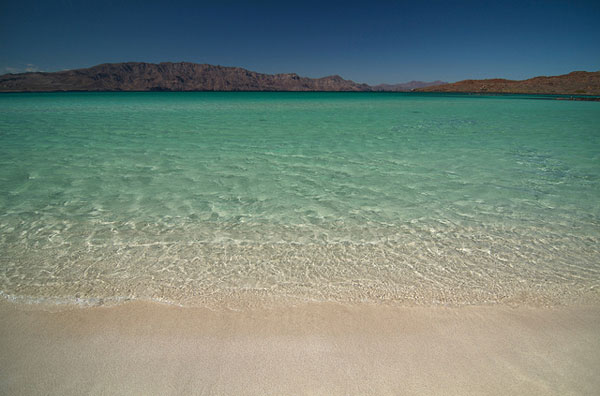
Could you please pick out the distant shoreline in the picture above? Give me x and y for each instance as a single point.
(540, 96)
(187, 76)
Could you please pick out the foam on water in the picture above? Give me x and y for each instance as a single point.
(201, 198)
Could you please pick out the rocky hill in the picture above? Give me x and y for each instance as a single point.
(184, 76)
(575, 83)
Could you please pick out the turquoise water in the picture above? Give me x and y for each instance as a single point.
(205, 198)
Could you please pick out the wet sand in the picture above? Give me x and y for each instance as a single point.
(314, 349)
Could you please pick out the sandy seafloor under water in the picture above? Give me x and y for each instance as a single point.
(299, 243)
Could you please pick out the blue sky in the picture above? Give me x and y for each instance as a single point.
(372, 42)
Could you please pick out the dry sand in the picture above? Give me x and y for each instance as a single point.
(315, 349)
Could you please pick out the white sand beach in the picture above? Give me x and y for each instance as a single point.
(315, 349)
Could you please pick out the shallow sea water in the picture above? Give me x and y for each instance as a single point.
(243, 198)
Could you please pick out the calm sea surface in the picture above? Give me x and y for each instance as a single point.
(212, 198)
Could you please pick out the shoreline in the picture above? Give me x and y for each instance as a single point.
(590, 97)
(312, 348)
(265, 300)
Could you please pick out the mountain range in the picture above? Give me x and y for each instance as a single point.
(185, 76)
